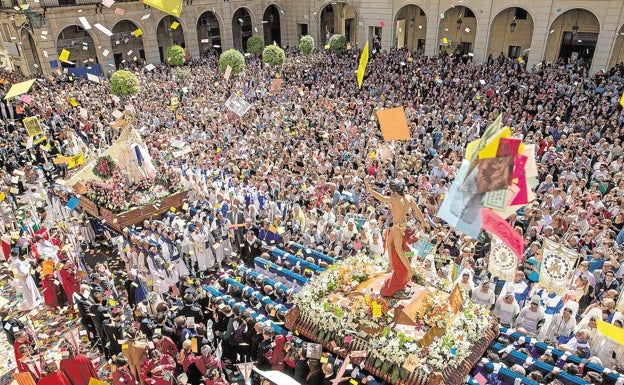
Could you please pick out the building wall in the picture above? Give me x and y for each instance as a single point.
(487, 33)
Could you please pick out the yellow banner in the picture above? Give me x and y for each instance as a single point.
(610, 331)
(32, 125)
(362, 66)
(75, 161)
(172, 7)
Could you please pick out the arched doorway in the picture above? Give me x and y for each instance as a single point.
(349, 23)
(411, 28)
(338, 17)
(80, 45)
(208, 33)
(572, 38)
(127, 47)
(30, 52)
(511, 33)
(271, 25)
(241, 28)
(169, 32)
(327, 23)
(458, 29)
(618, 48)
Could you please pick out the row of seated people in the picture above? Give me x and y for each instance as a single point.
(516, 358)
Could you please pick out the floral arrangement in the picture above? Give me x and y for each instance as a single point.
(390, 345)
(167, 177)
(435, 311)
(104, 166)
(341, 277)
(118, 196)
(390, 349)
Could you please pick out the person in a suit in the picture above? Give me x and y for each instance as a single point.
(237, 219)
(252, 248)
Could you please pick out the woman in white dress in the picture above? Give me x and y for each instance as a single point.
(430, 269)
(376, 247)
(465, 282)
(561, 326)
(506, 309)
(484, 295)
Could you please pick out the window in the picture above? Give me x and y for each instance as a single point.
(514, 51)
(521, 14)
(468, 12)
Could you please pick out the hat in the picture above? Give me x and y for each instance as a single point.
(441, 234)
(532, 261)
(116, 311)
(535, 299)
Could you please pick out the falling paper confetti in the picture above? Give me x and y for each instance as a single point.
(85, 22)
(103, 29)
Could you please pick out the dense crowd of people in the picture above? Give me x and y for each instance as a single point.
(293, 168)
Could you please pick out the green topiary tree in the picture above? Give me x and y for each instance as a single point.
(273, 55)
(175, 55)
(234, 59)
(124, 83)
(338, 43)
(255, 44)
(306, 45)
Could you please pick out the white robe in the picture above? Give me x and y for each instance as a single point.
(25, 285)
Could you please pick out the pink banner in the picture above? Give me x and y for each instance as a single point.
(494, 223)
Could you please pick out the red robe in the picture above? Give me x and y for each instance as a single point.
(21, 366)
(167, 346)
(400, 273)
(204, 363)
(57, 378)
(123, 377)
(49, 291)
(78, 370)
(71, 284)
(165, 362)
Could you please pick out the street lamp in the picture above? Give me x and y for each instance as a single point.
(512, 26)
(459, 20)
(575, 27)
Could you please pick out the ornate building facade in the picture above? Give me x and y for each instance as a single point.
(35, 32)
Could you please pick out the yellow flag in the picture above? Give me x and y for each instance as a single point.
(175, 25)
(622, 100)
(172, 7)
(137, 32)
(75, 161)
(73, 102)
(362, 66)
(610, 331)
(64, 56)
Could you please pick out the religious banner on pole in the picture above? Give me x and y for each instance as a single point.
(557, 267)
(33, 126)
(237, 104)
(503, 262)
